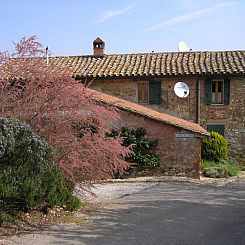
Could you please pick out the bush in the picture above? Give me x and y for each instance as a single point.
(142, 147)
(214, 147)
(4, 217)
(28, 178)
(221, 169)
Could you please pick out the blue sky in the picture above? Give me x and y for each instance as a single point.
(68, 27)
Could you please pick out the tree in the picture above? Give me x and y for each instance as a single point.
(60, 110)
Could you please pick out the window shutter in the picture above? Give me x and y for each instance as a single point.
(143, 92)
(227, 91)
(154, 92)
(219, 128)
(208, 92)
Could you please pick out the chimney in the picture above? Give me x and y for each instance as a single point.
(99, 47)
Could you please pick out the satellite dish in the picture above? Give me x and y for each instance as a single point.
(181, 89)
(183, 47)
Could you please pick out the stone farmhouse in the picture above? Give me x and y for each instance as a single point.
(179, 140)
(216, 82)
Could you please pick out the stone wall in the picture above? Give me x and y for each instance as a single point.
(179, 156)
(232, 115)
(170, 103)
(122, 88)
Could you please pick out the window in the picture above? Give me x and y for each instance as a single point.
(149, 92)
(219, 128)
(217, 92)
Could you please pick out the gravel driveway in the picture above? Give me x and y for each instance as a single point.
(105, 193)
(110, 191)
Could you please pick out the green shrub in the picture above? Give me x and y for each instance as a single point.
(142, 147)
(214, 147)
(73, 203)
(28, 178)
(5, 217)
(207, 164)
(221, 169)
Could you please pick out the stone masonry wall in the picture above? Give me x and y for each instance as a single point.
(178, 156)
(231, 116)
(170, 103)
(122, 88)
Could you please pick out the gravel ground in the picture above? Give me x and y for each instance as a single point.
(106, 192)
(117, 188)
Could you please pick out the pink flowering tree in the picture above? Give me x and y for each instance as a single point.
(61, 111)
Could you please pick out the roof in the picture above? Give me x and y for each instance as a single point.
(155, 64)
(147, 112)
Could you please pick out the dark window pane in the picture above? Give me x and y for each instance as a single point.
(213, 86)
(219, 86)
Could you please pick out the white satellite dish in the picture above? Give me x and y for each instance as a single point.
(183, 47)
(181, 89)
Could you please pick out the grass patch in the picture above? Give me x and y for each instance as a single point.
(80, 217)
(73, 219)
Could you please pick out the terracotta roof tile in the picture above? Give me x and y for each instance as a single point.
(147, 112)
(155, 64)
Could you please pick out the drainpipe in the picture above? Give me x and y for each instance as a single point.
(198, 104)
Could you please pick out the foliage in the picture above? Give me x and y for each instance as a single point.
(28, 178)
(221, 169)
(5, 217)
(215, 163)
(142, 147)
(214, 147)
(61, 111)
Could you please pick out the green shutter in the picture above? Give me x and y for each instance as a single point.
(208, 92)
(219, 128)
(154, 92)
(227, 91)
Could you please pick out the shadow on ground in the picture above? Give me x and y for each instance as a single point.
(169, 213)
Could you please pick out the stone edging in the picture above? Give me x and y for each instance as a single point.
(202, 180)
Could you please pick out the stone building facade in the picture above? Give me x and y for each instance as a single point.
(179, 141)
(216, 82)
(230, 117)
